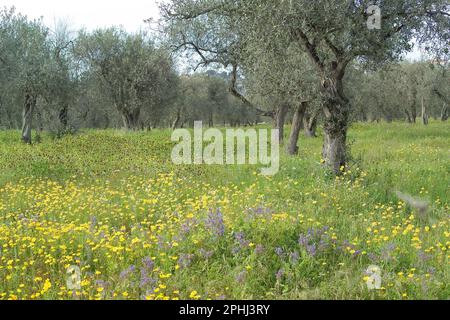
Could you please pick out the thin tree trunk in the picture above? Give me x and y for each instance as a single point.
(64, 116)
(27, 117)
(211, 120)
(424, 113)
(413, 113)
(280, 120)
(299, 114)
(444, 113)
(310, 125)
(177, 120)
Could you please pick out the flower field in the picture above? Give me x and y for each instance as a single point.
(139, 227)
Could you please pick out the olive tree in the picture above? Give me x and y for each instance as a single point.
(333, 34)
(26, 58)
(133, 71)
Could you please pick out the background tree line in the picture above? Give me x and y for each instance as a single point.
(60, 81)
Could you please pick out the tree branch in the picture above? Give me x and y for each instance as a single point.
(243, 99)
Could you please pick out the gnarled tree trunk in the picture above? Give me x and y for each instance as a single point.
(299, 114)
(335, 145)
(27, 117)
(131, 119)
(337, 113)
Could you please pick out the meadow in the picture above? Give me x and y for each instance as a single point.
(139, 227)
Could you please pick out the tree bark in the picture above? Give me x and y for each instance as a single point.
(299, 114)
(444, 113)
(336, 110)
(335, 146)
(177, 120)
(310, 125)
(27, 117)
(131, 119)
(425, 118)
(64, 116)
(280, 120)
(413, 113)
(408, 116)
(211, 120)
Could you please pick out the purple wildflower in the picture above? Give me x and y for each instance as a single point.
(215, 223)
(127, 272)
(240, 237)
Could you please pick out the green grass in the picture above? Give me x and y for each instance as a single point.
(140, 227)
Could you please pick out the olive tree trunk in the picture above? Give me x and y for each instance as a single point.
(280, 120)
(131, 119)
(64, 116)
(27, 117)
(335, 146)
(337, 114)
(444, 113)
(310, 125)
(425, 117)
(299, 114)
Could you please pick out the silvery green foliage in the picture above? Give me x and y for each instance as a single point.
(138, 76)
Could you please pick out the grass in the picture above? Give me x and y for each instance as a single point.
(139, 227)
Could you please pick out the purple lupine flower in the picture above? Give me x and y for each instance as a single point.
(303, 240)
(146, 269)
(240, 237)
(311, 249)
(127, 272)
(146, 279)
(186, 228)
(215, 223)
(315, 241)
(148, 263)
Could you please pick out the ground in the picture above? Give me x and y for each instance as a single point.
(112, 204)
